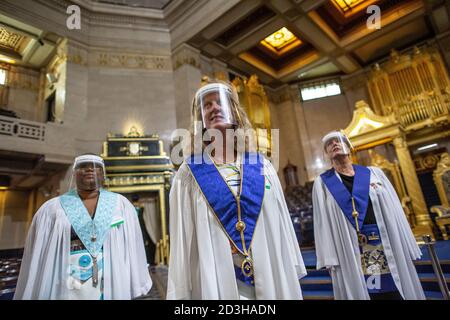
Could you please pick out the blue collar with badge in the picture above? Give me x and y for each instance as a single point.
(360, 192)
(237, 214)
(92, 232)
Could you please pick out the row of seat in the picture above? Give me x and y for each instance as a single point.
(299, 202)
(9, 273)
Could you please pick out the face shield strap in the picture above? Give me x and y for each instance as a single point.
(89, 158)
(238, 115)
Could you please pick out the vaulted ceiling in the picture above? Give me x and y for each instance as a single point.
(331, 36)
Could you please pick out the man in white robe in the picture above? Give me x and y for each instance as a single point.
(231, 235)
(339, 244)
(111, 262)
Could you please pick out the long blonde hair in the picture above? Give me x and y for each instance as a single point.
(241, 117)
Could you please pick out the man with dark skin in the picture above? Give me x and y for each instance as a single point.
(85, 244)
(87, 188)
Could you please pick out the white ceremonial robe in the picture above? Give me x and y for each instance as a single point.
(201, 265)
(45, 263)
(337, 246)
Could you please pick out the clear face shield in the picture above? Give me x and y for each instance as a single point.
(336, 144)
(87, 173)
(216, 106)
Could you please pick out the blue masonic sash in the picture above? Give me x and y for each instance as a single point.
(340, 193)
(224, 203)
(83, 224)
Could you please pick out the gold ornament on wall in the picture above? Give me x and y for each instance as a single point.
(413, 86)
(253, 99)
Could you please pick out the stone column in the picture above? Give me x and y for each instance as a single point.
(76, 100)
(439, 16)
(220, 70)
(187, 79)
(443, 41)
(355, 89)
(284, 105)
(300, 131)
(423, 221)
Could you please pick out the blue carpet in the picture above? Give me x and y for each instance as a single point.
(309, 258)
(317, 284)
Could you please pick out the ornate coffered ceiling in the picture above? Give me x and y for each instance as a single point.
(332, 36)
(12, 40)
(22, 44)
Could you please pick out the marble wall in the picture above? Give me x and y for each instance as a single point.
(322, 116)
(113, 73)
(284, 111)
(302, 124)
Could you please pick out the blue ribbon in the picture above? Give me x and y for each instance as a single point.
(387, 283)
(222, 200)
(82, 222)
(360, 192)
(371, 230)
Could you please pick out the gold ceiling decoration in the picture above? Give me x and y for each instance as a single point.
(11, 40)
(280, 39)
(347, 5)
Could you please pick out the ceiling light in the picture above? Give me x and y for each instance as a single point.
(280, 38)
(429, 146)
(346, 5)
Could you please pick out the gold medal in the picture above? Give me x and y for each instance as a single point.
(247, 267)
(362, 239)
